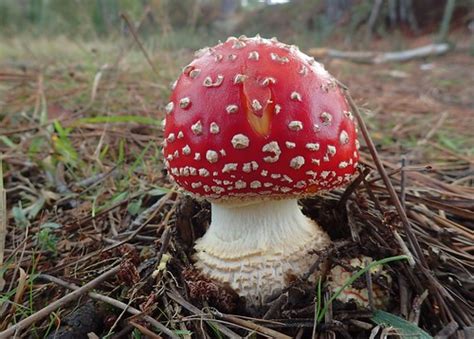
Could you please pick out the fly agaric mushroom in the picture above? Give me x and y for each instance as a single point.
(253, 125)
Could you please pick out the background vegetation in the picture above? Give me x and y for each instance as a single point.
(189, 23)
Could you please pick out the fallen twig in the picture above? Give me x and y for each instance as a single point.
(255, 327)
(380, 57)
(145, 331)
(150, 212)
(440, 292)
(391, 190)
(447, 331)
(44, 312)
(139, 43)
(111, 301)
(193, 309)
(165, 241)
(352, 187)
(3, 223)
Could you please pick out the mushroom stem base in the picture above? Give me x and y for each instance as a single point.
(257, 248)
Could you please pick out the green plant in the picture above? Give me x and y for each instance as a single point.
(136, 334)
(404, 329)
(46, 239)
(321, 311)
(65, 151)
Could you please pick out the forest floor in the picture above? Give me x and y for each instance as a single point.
(87, 198)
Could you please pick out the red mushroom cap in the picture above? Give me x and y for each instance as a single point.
(252, 117)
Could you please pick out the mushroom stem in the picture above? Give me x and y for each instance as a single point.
(257, 247)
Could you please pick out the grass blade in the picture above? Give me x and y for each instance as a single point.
(404, 328)
(356, 276)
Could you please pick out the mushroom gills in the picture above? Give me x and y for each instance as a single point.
(256, 247)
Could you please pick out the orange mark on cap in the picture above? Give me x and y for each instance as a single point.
(258, 105)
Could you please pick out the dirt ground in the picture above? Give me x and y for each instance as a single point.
(88, 200)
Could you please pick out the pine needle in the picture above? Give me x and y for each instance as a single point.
(3, 225)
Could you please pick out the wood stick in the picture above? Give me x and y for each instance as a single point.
(111, 301)
(139, 43)
(352, 187)
(380, 57)
(255, 327)
(438, 288)
(44, 312)
(193, 309)
(3, 223)
(145, 331)
(413, 242)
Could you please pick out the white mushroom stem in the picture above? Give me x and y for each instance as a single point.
(257, 247)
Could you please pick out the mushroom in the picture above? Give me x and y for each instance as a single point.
(358, 292)
(253, 125)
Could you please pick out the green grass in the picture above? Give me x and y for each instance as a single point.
(456, 142)
(320, 310)
(59, 141)
(403, 328)
(26, 281)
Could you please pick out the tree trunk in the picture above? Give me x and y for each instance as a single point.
(448, 13)
(228, 8)
(335, 9)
